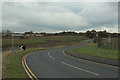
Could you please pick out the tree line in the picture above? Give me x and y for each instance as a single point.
(88, 34)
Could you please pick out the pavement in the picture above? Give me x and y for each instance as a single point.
(54, 63)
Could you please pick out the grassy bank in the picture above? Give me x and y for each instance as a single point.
(12, 62)
(12, 65)
(92, 50)
(45, 41)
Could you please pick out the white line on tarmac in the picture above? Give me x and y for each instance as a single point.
(80, 68)
(51, 56)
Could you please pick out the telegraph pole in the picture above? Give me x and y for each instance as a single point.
(109, 39)
(96, 44)
(12, 38)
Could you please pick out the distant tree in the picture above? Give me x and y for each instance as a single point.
(91, 34)
(67, 33)
(114, 35)
(103, 34)
(81, 34)
(88, 33)
(6, 33)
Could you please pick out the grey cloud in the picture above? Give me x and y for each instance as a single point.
(100, 13)
(52, 17)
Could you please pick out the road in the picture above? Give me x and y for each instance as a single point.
(55, 64)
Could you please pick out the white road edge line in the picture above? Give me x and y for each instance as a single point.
(80, 68)
(51, 56)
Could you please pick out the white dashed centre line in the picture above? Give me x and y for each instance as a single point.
(50, 56)
(80, 69)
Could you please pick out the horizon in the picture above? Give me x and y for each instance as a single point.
(63, 31)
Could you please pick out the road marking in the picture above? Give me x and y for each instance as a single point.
(90, 61)
(80, 69)
(51, 56)
(27, 69)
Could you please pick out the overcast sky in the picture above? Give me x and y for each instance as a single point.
(60, 16)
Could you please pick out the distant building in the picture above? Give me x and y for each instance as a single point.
(29, 34)
(38, 35)
(18, 36)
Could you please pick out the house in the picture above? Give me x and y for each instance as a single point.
(18, 36)
(38, 35)
(29, 34)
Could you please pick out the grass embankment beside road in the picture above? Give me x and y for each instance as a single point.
(12, 65)
(45, 41)
(93, 50)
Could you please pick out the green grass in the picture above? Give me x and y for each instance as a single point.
(12, 64)
(92, 50)
(45, 41)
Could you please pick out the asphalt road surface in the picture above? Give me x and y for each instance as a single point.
(54, 64)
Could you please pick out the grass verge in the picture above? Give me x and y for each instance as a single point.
(12, 65)
(46, 41)
(92, 50)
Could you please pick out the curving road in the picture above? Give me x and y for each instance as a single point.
(54, 64)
